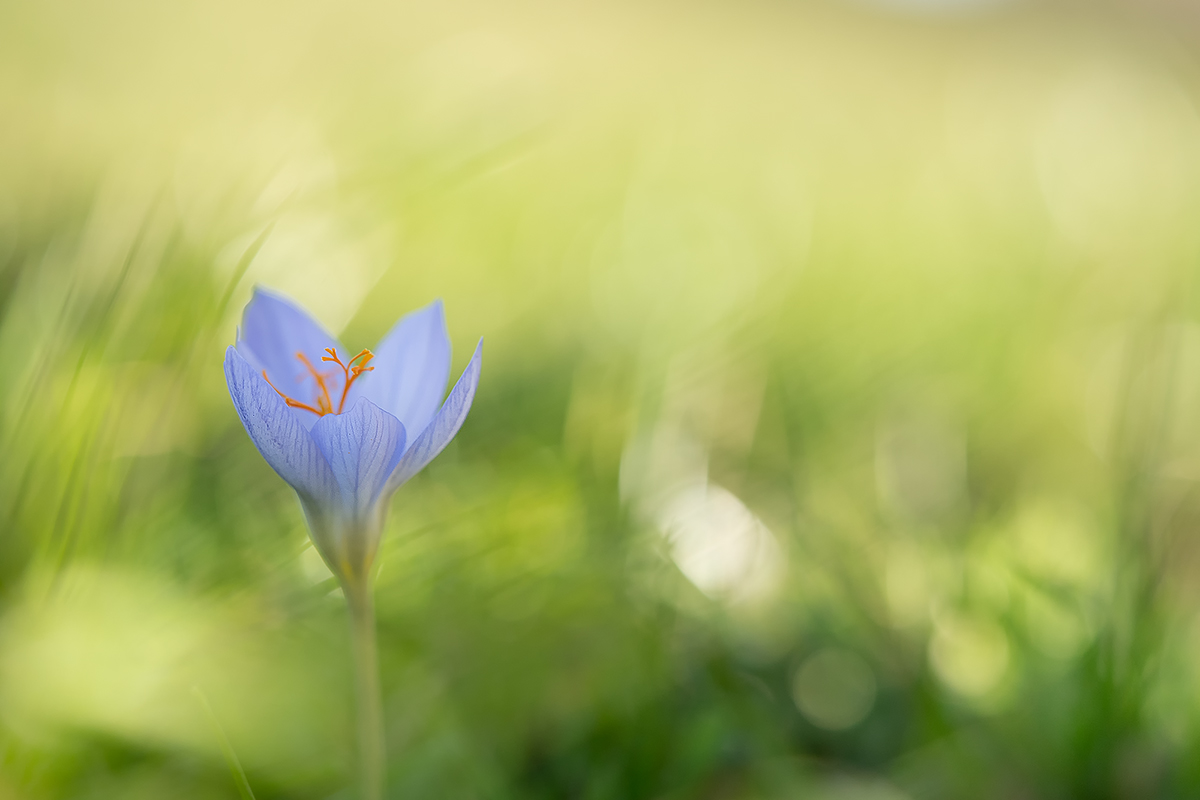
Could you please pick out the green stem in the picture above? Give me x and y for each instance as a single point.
(366, 680)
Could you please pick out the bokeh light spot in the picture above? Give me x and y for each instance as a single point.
(970, 655)
(834, 689)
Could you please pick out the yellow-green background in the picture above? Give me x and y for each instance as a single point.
(902, 294)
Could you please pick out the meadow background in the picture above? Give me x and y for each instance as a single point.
(838, 435)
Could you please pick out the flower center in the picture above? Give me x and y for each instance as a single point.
(323, 404)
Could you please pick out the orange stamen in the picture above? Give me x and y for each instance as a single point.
(289, 401)
(324, 403)
(351, 372)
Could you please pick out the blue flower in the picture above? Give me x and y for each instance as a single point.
(345, 434)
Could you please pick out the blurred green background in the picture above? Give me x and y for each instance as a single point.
(838, 436)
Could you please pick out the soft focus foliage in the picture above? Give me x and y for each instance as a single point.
(839, 436)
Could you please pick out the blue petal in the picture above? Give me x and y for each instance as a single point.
(412, 364)
(443, 427)
(274, 330)
(362, 447)
(277, 434)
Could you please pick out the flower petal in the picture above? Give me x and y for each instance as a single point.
(362, 447)
(274, 329)
(444, 426)
(277, 434)
(412, 365)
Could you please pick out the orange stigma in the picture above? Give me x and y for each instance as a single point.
(324, 403)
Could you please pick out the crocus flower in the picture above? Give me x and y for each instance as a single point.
(345, 433)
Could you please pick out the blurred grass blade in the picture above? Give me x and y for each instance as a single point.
(235, 766)
(243, 264)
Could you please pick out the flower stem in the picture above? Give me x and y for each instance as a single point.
(366, 679)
